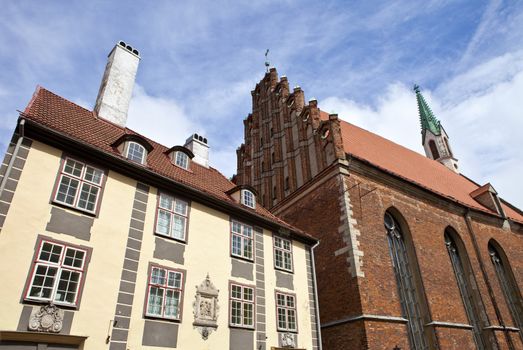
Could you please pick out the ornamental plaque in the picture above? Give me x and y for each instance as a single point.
(205, 308)
(287, 340)
(47, 318)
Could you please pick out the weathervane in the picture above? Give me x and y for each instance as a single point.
(267, 63)
(416, 88)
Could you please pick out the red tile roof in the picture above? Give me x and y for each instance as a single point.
(412, 166)
(57, 113)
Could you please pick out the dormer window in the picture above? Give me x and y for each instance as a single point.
(133, 147)
(180, 156)
(136, 152)
(248, 199)
(182, 160)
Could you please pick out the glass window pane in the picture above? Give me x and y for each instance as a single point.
(74, 257)
(158, 276)
(155, 302)
(93, 175)
(247, 314)
(73, 167)
(174, 280)
(135, 152)
(178, 228)
(236, 292)
(247, 294)
(88, 197)
(67, 190)
(247, 248)
(43, 281)
(166, 201)
(236, 245)
(236, 312)
(172, 299)
(50, 252)
(163, 222)
(67, 286)
(180, 207)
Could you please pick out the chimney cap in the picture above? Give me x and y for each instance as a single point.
(128, 47)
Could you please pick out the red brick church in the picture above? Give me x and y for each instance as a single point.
(412, 254)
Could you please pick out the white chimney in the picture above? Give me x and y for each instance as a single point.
(117, 85)
(198, 146)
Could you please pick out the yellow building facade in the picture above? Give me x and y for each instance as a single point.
(111, 241)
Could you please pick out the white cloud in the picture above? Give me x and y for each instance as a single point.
(161, 119)
(484, 126)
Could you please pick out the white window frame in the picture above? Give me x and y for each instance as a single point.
(128, 149)
(60, 267)
(286, 253)
(248, 198)
(182, 162)
(165, 287)
(242, 301)
(173, 213)
(245, 240)
(286, 310)
(81, 179)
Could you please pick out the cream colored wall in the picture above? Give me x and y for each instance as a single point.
(207, 252)
(301, 291)
(27, 218)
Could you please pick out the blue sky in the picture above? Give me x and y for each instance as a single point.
(201, 59)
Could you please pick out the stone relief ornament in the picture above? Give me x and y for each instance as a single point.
(47, 318)
(287, 340)
(205, 308)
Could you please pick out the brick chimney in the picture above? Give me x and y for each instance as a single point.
(199, 147)
(117, 85)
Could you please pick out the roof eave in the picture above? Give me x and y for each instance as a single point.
(52, 137)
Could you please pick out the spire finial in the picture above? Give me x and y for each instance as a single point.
(267, 63)
(427, 118)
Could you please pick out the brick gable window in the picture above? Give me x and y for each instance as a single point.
(286, 312)
(57, 274)
(283, 254)
(241, 240)
(172, 217)
(164, 293)
(79, 185)
(241, 301)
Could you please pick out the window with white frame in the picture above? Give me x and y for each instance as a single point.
(57, 273)
(136, 152)
(286, 312)
(241, 299)
(182, 160)
(80, 185)
(248, 198)
(241, 240)
(172, 217)
(282, 253)
(164, 293)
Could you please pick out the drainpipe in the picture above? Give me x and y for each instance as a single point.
(317, 308)
(485, 277)
(13, 156)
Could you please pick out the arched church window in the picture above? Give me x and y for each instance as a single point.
(463, 272)
(433, 149)
(508, 284)
(410, 292)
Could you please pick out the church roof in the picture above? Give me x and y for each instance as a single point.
(412, 167)
(83, 126)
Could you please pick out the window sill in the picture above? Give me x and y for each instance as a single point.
(284, 270)
(242, 258)
(170, 238)
(165, 319)
(287, 331)
(38, 302)
(247, 328)
(80, 211)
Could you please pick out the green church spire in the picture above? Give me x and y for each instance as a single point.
(427, 119)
